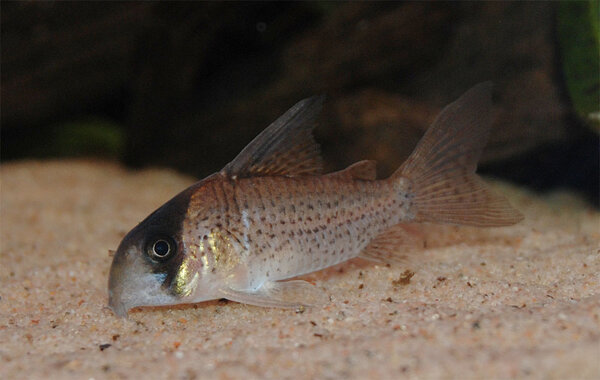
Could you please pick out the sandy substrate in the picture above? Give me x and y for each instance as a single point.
(516, 302)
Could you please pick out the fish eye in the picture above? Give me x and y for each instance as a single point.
(160, 248)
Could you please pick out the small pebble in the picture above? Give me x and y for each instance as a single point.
(104, 346)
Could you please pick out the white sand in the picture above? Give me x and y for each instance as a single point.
(516, 302)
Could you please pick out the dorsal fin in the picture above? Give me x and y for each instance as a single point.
(286, 148)
(365, 170)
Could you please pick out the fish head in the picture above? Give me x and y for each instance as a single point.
(148, 265)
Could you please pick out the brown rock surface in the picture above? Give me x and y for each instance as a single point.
(522, 301)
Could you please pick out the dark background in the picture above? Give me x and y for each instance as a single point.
(187, 85)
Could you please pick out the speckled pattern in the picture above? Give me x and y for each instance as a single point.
(280, 227)
(513, 302)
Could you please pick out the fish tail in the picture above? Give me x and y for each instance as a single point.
(441, 170)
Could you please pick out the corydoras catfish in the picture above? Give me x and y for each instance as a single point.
(270, 215)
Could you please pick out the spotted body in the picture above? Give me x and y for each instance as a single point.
(277, 227)
(270, 216)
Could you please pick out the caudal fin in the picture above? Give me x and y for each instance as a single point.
(442, 167)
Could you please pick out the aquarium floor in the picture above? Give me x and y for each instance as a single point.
(516, 302)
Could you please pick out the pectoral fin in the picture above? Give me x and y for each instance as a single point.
(289, 294)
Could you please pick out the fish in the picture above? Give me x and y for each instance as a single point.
(271, 215)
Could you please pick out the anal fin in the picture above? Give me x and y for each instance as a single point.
(396, 245)
(288, 294)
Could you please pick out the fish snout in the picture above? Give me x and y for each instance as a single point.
(117, 306)
(116, 284)
(115, 296)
